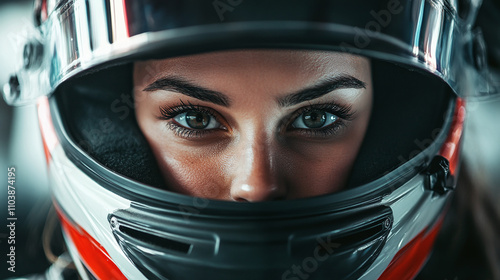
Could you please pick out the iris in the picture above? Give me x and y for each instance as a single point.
(314, 118)
(197, 120)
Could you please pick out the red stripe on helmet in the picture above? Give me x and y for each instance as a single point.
(47, 130)
(44, 13)
(409, 260)
(92, 254)
(451, 148)
(125, 16)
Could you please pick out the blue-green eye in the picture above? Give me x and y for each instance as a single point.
(314, 119)
(195, 119)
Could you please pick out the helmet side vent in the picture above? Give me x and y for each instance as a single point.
(124, 232)
(163, 242)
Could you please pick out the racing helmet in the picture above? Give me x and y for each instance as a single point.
(121, 221)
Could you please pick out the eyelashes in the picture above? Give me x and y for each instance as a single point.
(335, 119)
(191, 121)
(312, 121)
(344, 112)
(167, 113)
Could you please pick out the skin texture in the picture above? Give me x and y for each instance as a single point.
(256, 154)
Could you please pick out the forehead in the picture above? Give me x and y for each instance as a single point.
(281, 65)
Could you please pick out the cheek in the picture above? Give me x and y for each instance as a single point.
(324, 170)
(190, 171)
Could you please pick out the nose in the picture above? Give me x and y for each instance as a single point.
(255, 177)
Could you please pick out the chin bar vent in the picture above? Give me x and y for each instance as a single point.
(123, 232)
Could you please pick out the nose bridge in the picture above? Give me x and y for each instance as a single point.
(255, 178)
(258, 154)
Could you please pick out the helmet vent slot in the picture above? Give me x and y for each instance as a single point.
(362, 236)
(157, 241)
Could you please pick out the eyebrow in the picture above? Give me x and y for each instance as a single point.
(185, 87)
(322, 88)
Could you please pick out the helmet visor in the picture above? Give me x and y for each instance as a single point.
(79, 35)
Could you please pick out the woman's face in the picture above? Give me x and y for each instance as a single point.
(254, 125)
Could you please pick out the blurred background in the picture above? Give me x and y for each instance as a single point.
(21, 147)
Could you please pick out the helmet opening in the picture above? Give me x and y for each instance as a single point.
(409, 110)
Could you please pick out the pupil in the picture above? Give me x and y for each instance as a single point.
(197, 120)
(314, 119)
